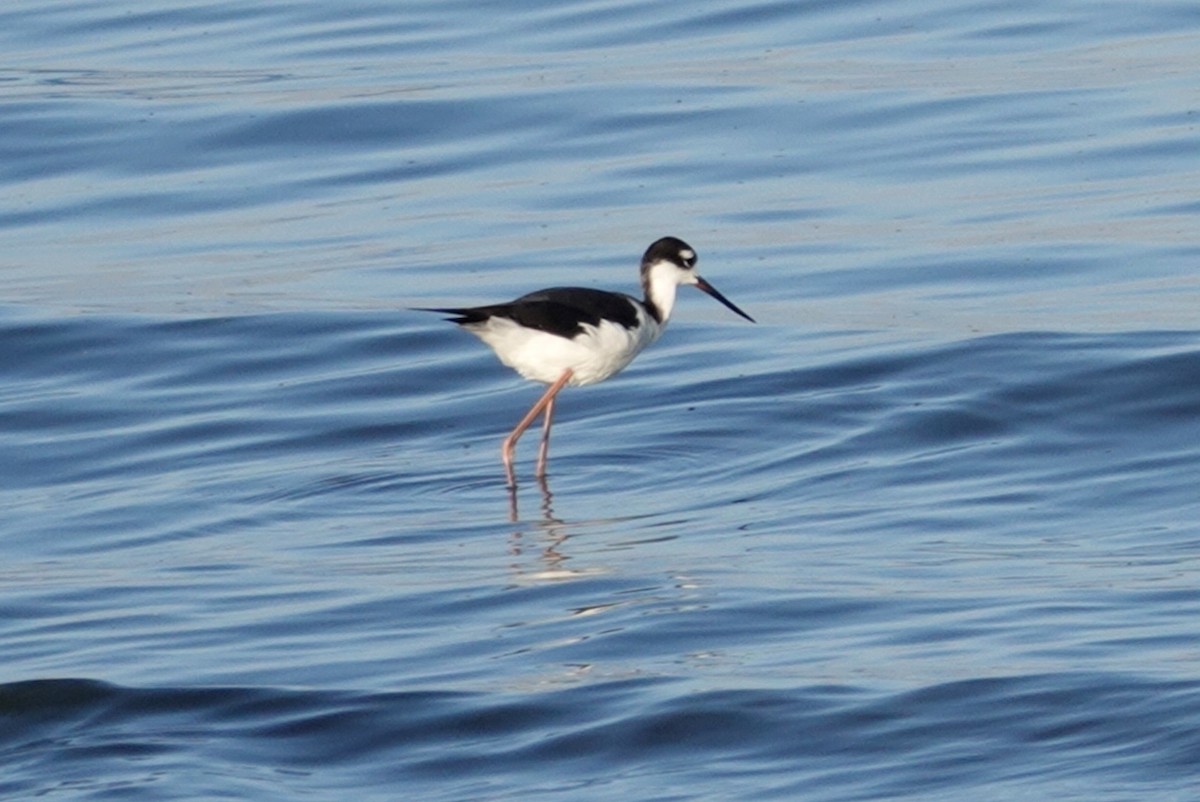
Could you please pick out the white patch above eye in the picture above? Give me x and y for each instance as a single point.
(687, 255)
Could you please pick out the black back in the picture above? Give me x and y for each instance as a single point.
(559, 310)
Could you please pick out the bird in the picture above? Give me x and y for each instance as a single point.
(577, 336)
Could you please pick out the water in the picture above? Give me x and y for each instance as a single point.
(928, 531)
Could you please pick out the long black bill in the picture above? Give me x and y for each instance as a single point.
(704, 286)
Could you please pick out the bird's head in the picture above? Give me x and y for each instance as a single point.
(669, 263)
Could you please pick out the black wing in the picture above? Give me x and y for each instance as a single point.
(561, 310)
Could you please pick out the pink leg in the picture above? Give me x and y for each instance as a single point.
(510, 443)
(544, 448)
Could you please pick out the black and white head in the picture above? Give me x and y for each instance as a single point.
(668, 263)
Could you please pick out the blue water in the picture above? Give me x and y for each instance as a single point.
(929, 531)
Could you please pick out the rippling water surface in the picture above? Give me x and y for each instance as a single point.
(928, 531)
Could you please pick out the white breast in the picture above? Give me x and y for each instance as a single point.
(593, 355)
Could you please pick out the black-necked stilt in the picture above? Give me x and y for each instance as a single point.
(578, 336)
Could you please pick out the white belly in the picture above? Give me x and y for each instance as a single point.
(593, 355)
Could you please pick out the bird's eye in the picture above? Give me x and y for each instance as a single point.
(688, 257)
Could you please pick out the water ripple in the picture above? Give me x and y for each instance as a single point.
(443, 744)
(928, 531)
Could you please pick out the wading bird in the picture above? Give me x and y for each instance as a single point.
(578, 336)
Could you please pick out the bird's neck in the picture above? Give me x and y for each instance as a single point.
(658, 287)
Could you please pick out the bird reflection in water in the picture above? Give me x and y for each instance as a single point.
(551, 532)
